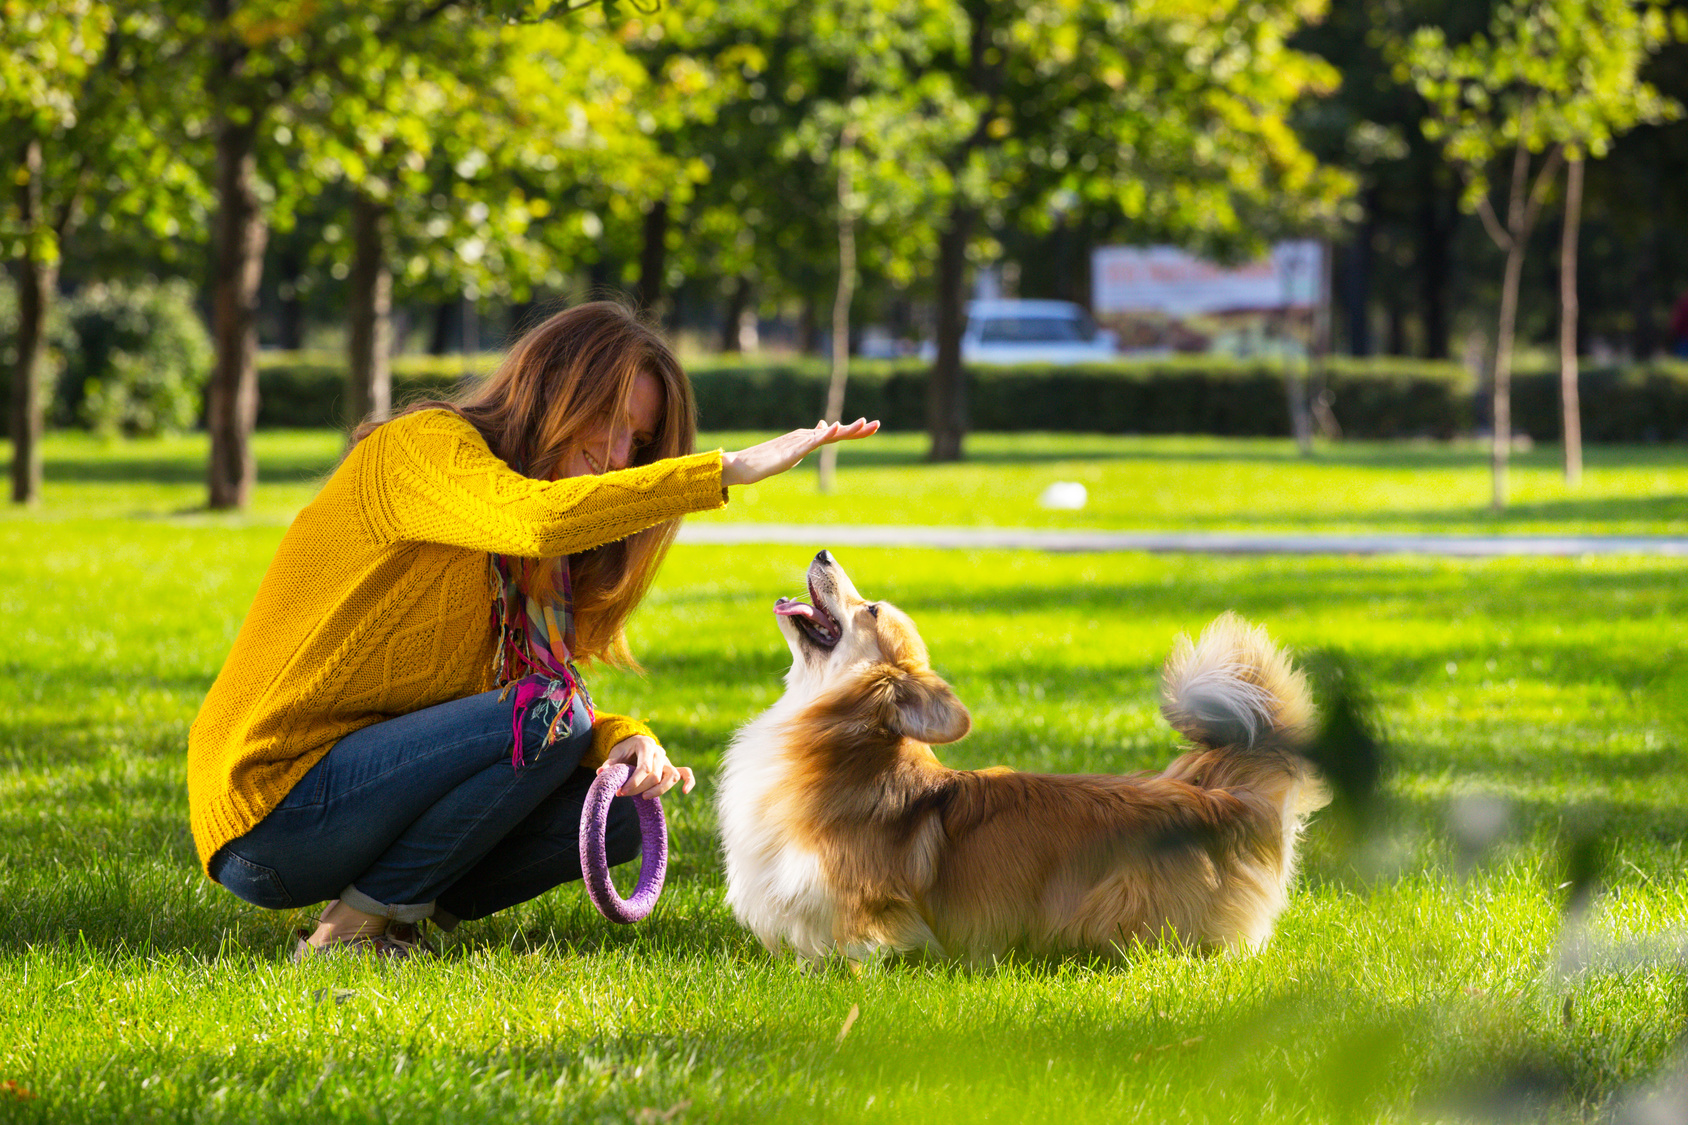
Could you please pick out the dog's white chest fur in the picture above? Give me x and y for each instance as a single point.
(776, 887)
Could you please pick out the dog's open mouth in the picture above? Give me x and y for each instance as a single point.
(816, 624)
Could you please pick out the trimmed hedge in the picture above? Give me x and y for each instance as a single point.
(307, 390)
(1370, 398)
(1640, 403)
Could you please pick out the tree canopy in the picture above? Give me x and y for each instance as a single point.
(408, 153)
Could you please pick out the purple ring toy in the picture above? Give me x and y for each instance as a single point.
(594, 864)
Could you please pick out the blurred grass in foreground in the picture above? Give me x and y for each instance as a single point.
(1429, 973)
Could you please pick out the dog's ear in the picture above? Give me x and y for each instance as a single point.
(926, 708)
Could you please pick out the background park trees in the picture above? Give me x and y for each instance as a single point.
(1539, 88)
(328, 163)
(1170, 116)
(82, 114)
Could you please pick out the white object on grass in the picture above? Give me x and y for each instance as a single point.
(1063, 495)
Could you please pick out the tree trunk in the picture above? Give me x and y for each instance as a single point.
(1569, 403)
(1319, 393)
(523, 316)
(401, 329)
(840, 307)
(471, 342)
(677, 306)
(290, 320)
(737, 302)
(1084, 287)
(1296, 380)
(36, 282)
(439, 336)
(369, 386)
(1356, 287)
(808, 327)
(1644, 291)
(946, 392)
(1514, 239)
(1503, 368)
(232, 403)
(653, 262)
(1396, 320)
(1435, 237)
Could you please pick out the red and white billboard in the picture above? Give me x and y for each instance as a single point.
(1176, 283)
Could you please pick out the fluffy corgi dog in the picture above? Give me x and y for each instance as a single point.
(843, 833)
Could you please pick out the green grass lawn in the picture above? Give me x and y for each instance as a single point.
(1134, 483)
(1425, 970)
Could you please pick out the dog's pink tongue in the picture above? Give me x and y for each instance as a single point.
(785, 608)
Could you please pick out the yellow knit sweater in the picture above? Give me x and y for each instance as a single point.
(379, 602)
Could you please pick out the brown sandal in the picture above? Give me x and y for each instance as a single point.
(406, 939)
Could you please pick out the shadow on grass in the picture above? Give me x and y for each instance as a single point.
(1277, 585)
(76, 682)
(176, 471)
(1382, 456)
(1436, 589)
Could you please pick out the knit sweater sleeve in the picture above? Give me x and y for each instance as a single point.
(606, 733)
(429, 477)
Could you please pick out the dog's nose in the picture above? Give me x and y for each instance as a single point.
(824, 557)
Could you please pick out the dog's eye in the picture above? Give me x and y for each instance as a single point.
(873, 609)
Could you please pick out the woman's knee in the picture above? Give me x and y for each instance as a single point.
(555, 749)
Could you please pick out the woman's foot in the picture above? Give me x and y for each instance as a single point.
(342, 925)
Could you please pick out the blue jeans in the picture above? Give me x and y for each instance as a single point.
(424, 809)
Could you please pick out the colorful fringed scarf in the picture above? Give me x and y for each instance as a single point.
(535, 654)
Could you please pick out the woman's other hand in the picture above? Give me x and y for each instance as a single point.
(653, 774)
(772, 458)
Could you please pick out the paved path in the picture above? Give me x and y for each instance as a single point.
(1201, 542)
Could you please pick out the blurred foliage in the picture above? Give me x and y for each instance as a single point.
(1414, 274)
(92, 82)
(1537, 78)
(1539, 82)
(518, 149)
(493, 148)
(124, 358)
(137, 358)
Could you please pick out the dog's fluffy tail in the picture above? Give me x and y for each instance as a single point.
(1235, 694)
(1235, 688)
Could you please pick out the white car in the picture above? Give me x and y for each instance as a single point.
(1004, 331)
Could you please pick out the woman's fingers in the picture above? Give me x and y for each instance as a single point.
(650, 773)
(646, 770)
(838, 431)
(861, 427)
(635, 783)
(656, 782)
(773, 457)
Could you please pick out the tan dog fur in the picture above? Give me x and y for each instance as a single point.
(844, 833)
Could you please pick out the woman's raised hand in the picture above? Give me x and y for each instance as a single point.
(774, 457)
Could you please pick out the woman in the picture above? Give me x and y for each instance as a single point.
(399, 726)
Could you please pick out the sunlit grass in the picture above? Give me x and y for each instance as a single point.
(1414, 976)
(1133, 483)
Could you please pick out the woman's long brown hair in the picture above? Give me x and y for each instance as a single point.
(558, 381)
